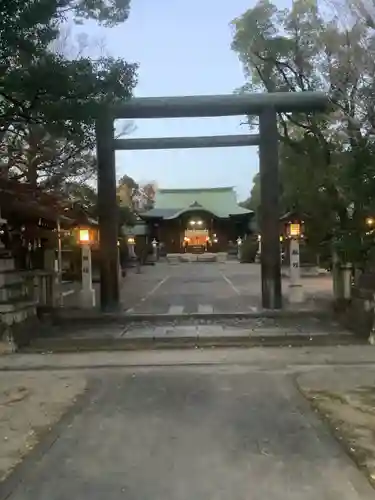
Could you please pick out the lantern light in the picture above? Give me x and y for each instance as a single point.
(294, 229)
(131, 240)
(84, 236)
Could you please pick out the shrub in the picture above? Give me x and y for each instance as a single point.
(249, 249)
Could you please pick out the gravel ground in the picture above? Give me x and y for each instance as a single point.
(346, 401)
(30, 403)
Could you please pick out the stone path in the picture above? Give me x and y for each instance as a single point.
(206, 288)
(201, 433)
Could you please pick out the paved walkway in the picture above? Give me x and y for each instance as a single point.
(200, 433)
(202, 288)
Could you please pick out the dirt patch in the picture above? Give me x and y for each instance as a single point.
(30, 404)
(351, 415)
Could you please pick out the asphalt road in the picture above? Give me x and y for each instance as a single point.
(193, 433)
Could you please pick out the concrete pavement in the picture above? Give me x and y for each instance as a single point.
(179, 433)
(208, 288)
(288, 360)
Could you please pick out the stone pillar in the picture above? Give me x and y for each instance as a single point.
(295, 286)
(53, 293)
(87, 294)
(269, 210)
(154, 244)
(239, 245)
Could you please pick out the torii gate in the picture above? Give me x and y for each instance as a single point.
(265, 105)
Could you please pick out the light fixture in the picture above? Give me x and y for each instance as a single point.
(192, 222)
(199, 222)
(131, 240)
(84, 236)
(294, 230)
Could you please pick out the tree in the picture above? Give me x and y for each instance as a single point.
(37, 86)
(253, 201)
(145, 196)
(32, 153)
(326, 159)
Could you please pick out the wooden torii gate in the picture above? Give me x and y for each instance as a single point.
(266, 106)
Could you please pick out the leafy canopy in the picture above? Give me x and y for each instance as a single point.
(327, 166)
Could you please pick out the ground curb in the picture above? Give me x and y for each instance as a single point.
(68, 345)
(95, 317)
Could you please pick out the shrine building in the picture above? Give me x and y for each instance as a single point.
(197, 220)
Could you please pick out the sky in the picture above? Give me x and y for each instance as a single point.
(183, 48)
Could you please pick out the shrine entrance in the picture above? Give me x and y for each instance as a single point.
(266, 106)
(196, 240)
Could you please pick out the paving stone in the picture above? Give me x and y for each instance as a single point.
(141, 333)
(221, 332)
(182, 331)
(267, 332)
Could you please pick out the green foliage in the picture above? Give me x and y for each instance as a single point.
(326, 160)
(30, 154)
(81, 194)
(253, 202)
(37, 86)
(126, 217)
(128, 181)
(49, 102)
(249, 249)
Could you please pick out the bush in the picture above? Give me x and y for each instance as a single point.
(249, 249)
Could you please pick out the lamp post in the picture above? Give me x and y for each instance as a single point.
(154, 244)
(259, 245)
(2, 223)
(87, 294)
(131, 245)
(239, 243)
(294, 234)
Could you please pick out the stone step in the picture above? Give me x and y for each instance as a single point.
(6, 264)
(10, 277)
(14, 304)
(17, 312)
(13, 291)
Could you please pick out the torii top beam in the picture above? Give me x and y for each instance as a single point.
(219, 105)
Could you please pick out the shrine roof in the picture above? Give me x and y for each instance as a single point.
(171, 203)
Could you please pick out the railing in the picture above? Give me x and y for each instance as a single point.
(41, 287)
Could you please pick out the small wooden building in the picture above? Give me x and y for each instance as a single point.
(33, 218)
